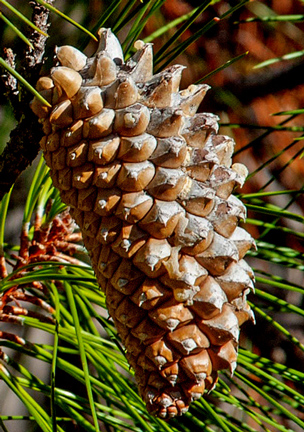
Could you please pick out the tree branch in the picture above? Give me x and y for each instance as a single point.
(23, 145)
(20, 151)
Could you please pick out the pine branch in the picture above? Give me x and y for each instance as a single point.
(20, 151)
(23, 146)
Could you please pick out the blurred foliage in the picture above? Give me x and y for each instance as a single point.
(49, 286)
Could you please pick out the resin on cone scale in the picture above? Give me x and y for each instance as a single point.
(149, 181)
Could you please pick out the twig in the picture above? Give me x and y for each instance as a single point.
(12, 337)
(15, 311)
(3, 269)
(34, 59)
(10, 82)
(21, 296)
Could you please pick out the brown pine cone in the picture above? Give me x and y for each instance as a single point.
(149, 182)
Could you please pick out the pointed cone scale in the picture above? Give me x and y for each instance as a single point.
(110, 44)
(140, 65)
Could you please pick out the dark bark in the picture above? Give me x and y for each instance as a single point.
(23, 145)
(20, 151)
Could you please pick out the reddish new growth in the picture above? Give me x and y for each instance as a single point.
(51, 241)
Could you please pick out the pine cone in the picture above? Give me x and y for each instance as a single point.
(149, 182)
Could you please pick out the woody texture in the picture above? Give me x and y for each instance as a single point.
(149, 181)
